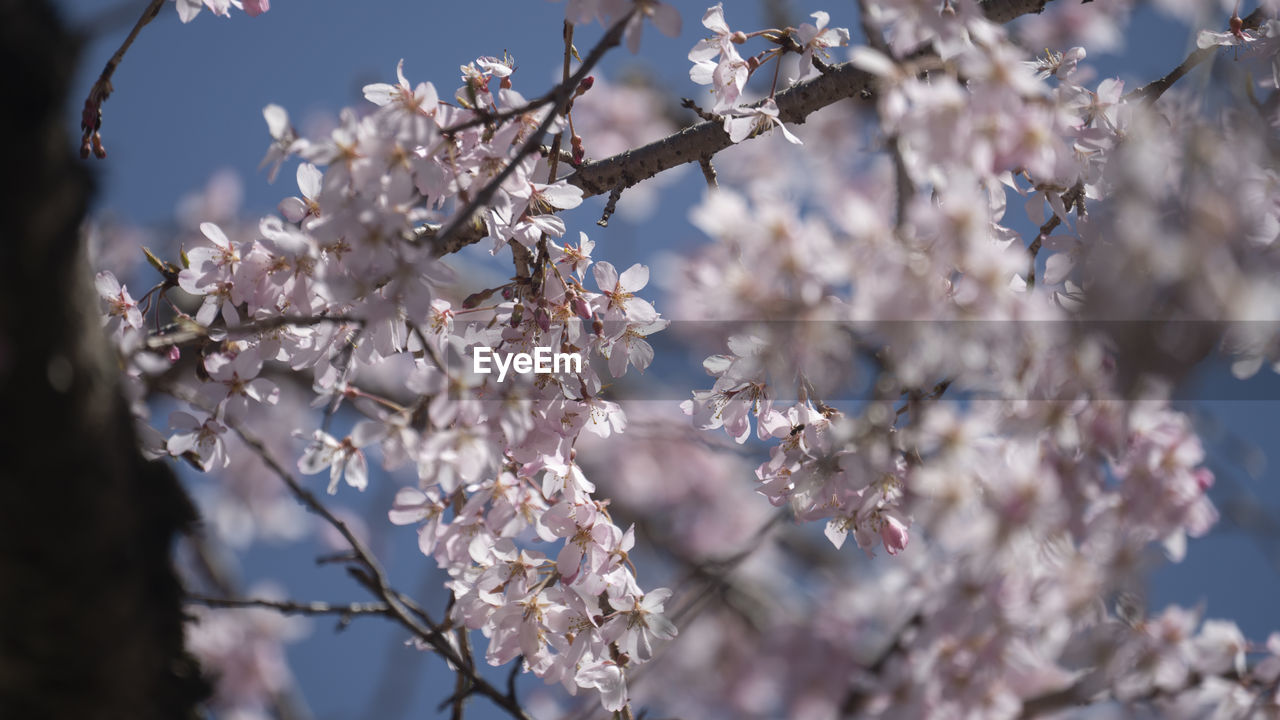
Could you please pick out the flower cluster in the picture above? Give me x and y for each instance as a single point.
(716, 62)
(345, 287)
(915, 373)
(1039, 493)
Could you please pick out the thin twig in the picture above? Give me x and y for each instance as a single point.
(1152, 91)
(91, 119)
(287, 702)
(610, 207)
(446, 241)
(714, 573)
(187, 333)
(292, 607)
(1073, 198)
(553, 159)
(689, 104)
(708, 172)
(371, 575)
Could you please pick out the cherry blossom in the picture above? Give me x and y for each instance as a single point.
(344, 458)
(122, 309)
(900, 308)
(758, 119)
(816, 38)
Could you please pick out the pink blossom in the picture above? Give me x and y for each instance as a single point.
(344, 458)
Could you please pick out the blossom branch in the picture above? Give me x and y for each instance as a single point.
(292, 607)
(91, 119)
(188, 333)
(794, 106)
(714, 575)
(708, 138)
(450, 239)
(370, 573)
(1152, 91)
(708, 172)
(692, 144)
(1002, 11)
(553, 160)
(1073, 198)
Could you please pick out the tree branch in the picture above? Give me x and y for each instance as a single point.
(706, 139)
(1073, 198)
(370, 573)
(91, 119)
(1002, 11)
(1152, 91)
(292, 607)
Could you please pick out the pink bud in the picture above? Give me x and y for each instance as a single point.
(894, 534)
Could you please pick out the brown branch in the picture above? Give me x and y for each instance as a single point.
(794, 106)
(553, 160)
(1073, 198)
(1002, 11)
(188, 333)
(708, 172)
(706, 139)
(91, 119)
(291, 607)
(1152, 91)
(610, 207)
(370, 574)
(689, 104)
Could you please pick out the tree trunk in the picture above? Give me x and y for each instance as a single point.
(90, 606)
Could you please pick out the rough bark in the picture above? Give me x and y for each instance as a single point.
(90, 606)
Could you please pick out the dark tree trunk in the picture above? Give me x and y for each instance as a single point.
(90, 606)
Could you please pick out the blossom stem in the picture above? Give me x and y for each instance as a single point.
(91, 122)
(371, 574)
(292, 607)
(1152, 91)
(554, 159)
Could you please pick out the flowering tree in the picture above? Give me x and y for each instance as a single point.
(894, 360)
